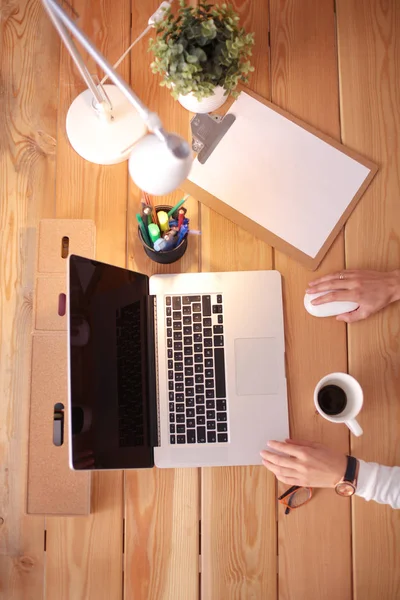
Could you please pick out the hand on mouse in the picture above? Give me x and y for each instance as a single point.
(305, 463)
(372, 290)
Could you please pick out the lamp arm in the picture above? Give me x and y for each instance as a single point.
(72, 49)
(62, 22)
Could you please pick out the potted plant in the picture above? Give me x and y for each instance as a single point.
(202, 53)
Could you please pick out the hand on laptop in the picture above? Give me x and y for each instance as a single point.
(372, 290)
(305, 463)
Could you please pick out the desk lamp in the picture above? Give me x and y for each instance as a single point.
(107, 124)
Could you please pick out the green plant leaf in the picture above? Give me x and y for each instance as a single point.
(199, 47)
(199, 53)
(191, 58)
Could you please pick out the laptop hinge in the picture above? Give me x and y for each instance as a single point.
(154, 429)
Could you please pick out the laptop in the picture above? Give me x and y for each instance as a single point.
(183, 370)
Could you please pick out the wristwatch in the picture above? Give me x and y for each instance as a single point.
(348, 484)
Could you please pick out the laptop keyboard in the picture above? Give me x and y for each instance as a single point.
(196, 369)
(129, 370)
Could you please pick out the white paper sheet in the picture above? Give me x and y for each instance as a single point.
(280, 175)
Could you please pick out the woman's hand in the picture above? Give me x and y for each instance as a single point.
(305, 463)
(372, 290)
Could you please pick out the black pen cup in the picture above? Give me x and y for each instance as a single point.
(164, 257)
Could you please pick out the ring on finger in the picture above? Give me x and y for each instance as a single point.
(341, 276)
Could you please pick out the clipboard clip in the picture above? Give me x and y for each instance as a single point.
(207, 132)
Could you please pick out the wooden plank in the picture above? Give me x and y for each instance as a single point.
(162, 534)
(238, 526)
(369, 58)
(86, 190)
(85, 554)
(238, 533)
(177, 120)
(27, 165)
(314, 542)
(161, 506)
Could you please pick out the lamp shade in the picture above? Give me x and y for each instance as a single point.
(158, 167)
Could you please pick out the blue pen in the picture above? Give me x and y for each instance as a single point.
(182, 233)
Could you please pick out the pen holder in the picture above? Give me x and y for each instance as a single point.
(164, 257)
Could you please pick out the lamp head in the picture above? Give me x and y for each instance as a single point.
(159, 167)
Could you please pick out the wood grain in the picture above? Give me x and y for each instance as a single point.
(238, 526)
(369, 55)
(161, 506)
(162, 534)
(238, 533)
(85, 555)
(304, 82)
(28, 105)
(84, 558)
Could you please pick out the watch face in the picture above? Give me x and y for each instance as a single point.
(345, 488)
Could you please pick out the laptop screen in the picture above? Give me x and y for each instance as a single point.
(109, 366)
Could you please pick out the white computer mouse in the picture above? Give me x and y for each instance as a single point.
(330, 309)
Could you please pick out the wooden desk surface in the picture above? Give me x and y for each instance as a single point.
(339, 71)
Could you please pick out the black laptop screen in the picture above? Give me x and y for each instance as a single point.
(108, 366)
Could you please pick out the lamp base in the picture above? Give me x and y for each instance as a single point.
(101, 141)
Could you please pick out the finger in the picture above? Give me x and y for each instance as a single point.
(280, 472)
(324, 279)
(291, 449)
(352, 317)
(300, 443)
(332, 276)
(340, 296)
(279, 461)
(336, 284)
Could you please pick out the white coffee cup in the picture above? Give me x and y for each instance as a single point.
(355, 399)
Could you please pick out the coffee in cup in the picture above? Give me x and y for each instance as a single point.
(338, 397)
(332, 399)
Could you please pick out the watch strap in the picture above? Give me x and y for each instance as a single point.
(351, 469)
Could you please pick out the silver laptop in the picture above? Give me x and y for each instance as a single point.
(183, 370)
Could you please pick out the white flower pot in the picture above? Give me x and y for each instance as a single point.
(206, 105)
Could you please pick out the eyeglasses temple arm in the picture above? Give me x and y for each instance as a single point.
(294, 488)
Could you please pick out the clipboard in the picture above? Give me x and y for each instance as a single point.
(233, 212)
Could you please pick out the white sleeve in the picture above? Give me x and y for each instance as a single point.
(379, 483)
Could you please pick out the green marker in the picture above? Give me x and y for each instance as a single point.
(171, 212)
(154, 232)
(143, 229)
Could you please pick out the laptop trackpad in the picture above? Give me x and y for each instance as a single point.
(256, 372)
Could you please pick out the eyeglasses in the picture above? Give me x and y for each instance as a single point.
(295, 497)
